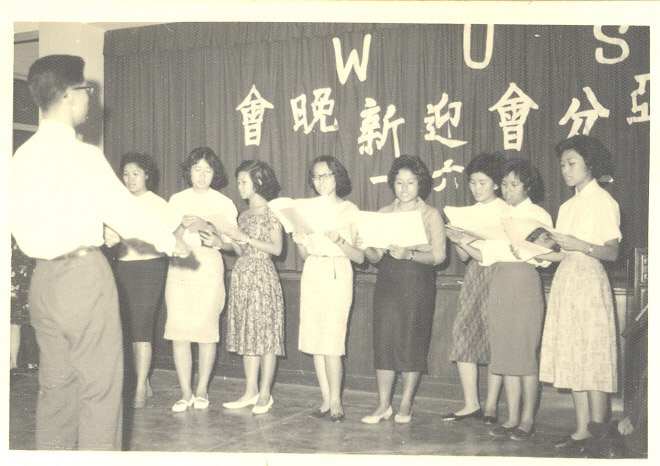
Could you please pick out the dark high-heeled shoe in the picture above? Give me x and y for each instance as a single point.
(569, 442)
(318, 414)
(478, 414)
(519, 434)
(337, 417)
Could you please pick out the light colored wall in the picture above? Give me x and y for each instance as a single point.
(87, 42)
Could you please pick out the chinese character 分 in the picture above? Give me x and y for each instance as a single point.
(643, 108)
(252, 109)
(588, 117)
(513, 108)
(322, 107)
(437, 119)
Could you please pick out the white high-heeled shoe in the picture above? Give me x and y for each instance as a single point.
(201, 402)
(263, 409)
(402, 418)
(374, 419)
(182, 405)
(241, 404)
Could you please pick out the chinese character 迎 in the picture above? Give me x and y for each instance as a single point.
(436, 120)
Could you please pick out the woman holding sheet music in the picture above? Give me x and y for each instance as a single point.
(404, 297)
(326, 287)
(195, 288)
(470, 345)
(515, 303)
(578, 348)
(255, 316)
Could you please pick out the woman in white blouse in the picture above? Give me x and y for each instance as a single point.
(470, 345)
(140, 272)
(195, 288)
(579, 348)
(326, 286)
(515, 303)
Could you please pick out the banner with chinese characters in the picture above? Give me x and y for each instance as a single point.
(366, 93)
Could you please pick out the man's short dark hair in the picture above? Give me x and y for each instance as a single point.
(49, 77)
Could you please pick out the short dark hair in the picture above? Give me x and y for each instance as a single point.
(488, 163)
(528, 175)
(146, 163)
(49, 77)
(417, 167)
(341, 175)
(262, 176)
(596, 156)
(206, 153)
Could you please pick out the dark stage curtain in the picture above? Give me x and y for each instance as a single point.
(173, 87)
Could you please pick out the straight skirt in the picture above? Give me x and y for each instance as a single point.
(515, 317)
(140, 285)
(195, 296)
(326, 295)
(578, 348)
(470, 331)
(404, 303)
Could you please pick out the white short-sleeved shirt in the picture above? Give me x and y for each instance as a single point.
(591, 215)
(205, 205)
(132, 249)
(318, 244)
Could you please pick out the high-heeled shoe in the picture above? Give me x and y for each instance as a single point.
(201, 402)
(403, 418)
(263, 409)
(182, 405)
(150, 391)
(375, 419)
(241, 404)
(478, 414)
(318, 414)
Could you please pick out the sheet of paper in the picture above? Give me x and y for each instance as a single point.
(529, 236)
(380, 230)
(477, 221)
(314, 215)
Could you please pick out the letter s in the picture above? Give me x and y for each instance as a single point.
(625, 51)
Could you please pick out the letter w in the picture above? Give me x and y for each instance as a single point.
(343, 70)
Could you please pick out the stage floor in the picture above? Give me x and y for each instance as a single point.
(288, 428)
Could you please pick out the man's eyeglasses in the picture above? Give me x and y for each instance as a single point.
(88, 88)
(324, 176)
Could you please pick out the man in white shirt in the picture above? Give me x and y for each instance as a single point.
(63, 192)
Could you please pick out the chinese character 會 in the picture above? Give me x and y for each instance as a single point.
(252, 109)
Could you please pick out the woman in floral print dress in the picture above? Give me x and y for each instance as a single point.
(255, 319)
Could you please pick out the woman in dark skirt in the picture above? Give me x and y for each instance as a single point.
(404, 298)
(140, 272)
